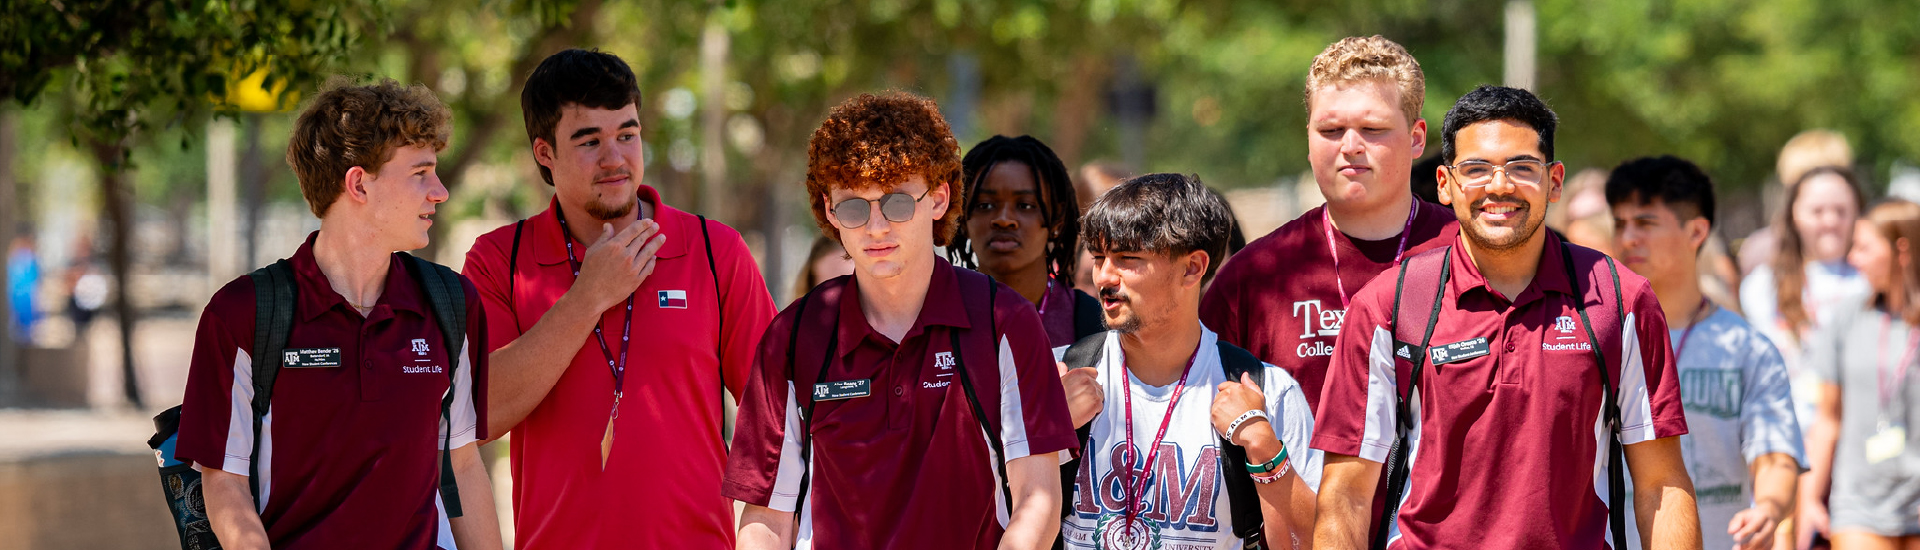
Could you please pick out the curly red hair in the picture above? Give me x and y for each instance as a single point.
(881, 141)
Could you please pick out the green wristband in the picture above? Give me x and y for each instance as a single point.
(1271, 465)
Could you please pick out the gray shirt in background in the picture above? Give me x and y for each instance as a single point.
(1852, 350)
(1733, 385)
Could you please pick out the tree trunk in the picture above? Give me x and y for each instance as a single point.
(9, 349)
(253, 190)
(117, 198)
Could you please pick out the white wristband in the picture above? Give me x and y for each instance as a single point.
(1234, 428)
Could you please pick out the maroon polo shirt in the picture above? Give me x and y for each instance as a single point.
(1509, 447)
(1290, 321)
(907, 466)
(350, 453)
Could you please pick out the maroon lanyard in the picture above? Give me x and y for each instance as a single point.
(1326, 222)
(1132, 483)
(1681, 348)
(626, 332)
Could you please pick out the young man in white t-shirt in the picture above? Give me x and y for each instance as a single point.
(1157, 398)
(1743, 447)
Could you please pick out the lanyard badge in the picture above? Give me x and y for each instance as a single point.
(619, 367)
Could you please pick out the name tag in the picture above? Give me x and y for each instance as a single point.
(308, 358)
(844, 389)
(1459, 351)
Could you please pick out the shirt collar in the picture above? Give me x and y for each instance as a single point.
(317, 296)
(550, 247)
(944, 306)
(1550, 277)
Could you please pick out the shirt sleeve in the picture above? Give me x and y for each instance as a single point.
(1767, 423)
(468, 415)
(216, 416)
(487, 268)
(764, 468)
(1287, 412)
(1357, 400)
(746, 307)
(1649, 382)
(1033, 406)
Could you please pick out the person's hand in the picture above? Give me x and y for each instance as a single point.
(1085, 397)
(1812, 519)
(616, 264)
(1752, 529)
(1233, 399)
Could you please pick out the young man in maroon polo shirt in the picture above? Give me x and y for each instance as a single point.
(1159, 481)
(913, 404)
(1508, 443)
(621, 324)
(349, 452)
(1363, 133)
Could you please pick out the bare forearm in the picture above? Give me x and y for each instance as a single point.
(523, 371)
(231, 509)
(1675, 523)
(1287, 505)
(1775, 479)
(763, 528)
(1035, 516)
(478, 527)
(1345, 503)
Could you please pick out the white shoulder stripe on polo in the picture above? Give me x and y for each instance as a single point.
(239, 449)
(465, 419)
(1600, 467)
(786, 480)
(266, 460)
(1636, 408)
(1383, 385)
(1013, 426)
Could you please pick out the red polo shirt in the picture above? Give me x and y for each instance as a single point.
(1291, 323)
(660, 488)
(351, 452)
(1509, 447)
(907, 466)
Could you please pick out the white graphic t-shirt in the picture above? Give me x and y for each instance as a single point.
(1186, 501)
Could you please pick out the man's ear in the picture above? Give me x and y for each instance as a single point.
(355, 187)
(941, 197)
(1196, 268)
(1441, 178)
(543, 152)
(1556, 175)
(1419, 137)
(1698, 229)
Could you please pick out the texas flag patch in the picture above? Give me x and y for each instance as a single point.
(673, 299)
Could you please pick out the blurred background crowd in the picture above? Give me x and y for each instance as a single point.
(141, 141)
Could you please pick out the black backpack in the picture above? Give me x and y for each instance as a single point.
(1243, 497)
(976, 316)
(274, 303)
(1088, 319)
(1432, 270)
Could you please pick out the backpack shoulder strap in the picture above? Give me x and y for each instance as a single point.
(1413, 322)
(720, 330)
(820, 377)
(513, 274)
(1085, 352)
(274, 299)
(1243, 496)
(1610, 408)
(980, 413)
(1087, 318)
(449, 301)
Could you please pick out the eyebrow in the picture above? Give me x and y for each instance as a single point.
(1524, 157)
(591, 130)
(426, 163)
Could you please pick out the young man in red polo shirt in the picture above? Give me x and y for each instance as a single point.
(1162, 481)
(621, 324)
(1363, 133)
(913, 404)
(349, 452)
(1517, 342)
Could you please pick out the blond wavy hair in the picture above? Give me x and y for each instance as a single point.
(1371, 58)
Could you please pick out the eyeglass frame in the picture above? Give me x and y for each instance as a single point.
(1546, 171)
(876, 204)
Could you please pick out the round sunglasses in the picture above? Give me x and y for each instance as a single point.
(897, 207)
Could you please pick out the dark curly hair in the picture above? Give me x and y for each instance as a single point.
(1059, 206)
(351, 125)
(1168, 214)
(880, 141)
